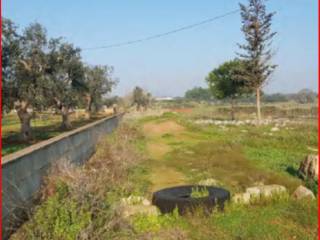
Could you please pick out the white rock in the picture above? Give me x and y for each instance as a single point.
(146, 202)
(129, 211)
(209, 182)
(269, 190)
(265, 190)
(303, 192)
(241, 198)
(275, 129)
(254, 192)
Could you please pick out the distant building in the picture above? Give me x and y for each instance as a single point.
(164, 98)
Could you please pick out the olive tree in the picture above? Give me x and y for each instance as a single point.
(27, 88)
(66, 78)
(141, 98)
(99, 81)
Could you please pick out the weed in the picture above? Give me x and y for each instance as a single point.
(198, 192)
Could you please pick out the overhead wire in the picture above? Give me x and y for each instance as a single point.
(160, 35)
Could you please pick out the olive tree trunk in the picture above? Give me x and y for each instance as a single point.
(25, 120)
(89, 106)
(66, 124)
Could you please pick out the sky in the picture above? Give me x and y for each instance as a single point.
(171, 65)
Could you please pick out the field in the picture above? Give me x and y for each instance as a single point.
(156, 150)
(44, 126)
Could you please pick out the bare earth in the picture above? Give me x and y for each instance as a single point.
(157, 150)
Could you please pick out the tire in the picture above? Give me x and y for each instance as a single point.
(180, 197)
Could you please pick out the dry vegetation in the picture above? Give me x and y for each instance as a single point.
(157, 150)
(87, 188)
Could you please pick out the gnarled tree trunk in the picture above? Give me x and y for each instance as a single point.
(66, 124)
(65, 112)
(25, 120)
(89, 106)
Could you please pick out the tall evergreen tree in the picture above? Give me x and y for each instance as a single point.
(257, 53)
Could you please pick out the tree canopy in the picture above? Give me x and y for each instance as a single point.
(224, 82)
(198, 94)
(141, 98)
(39, 73)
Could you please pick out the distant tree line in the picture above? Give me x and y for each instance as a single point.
(303, 96)
(41, 73)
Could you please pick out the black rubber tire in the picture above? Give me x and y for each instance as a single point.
(179, 197)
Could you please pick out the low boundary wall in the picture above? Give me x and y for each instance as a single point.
(23, 171)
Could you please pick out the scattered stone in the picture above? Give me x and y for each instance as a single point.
(258, 183)
(254, 193)
(134, 205)
(242, 198)
(266, 190)
(146, 202)
(269, 190)
(209, 182)
(129, 211)
(278, 122)
(275, 129)
(303, 192)
(309, 167)
(132, 200)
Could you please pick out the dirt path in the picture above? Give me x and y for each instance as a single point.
(162, 175)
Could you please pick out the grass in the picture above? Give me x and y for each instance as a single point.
(139, 159)
(196, 192)
(44, 126)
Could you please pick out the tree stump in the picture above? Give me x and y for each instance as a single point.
(309, 167)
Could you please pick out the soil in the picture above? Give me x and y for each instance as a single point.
(162, 176)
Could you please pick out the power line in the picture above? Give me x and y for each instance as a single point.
(187, 27)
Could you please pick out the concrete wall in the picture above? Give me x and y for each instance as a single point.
(22, 172)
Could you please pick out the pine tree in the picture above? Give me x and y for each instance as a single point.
(257, 52)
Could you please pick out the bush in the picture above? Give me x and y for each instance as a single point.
(59, 217)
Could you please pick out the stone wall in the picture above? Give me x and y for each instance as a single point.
(23, 171)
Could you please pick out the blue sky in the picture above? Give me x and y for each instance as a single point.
(171, 65)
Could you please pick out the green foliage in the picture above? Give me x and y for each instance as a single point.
(10, 56)
(224, 82)
(312, 184)
(268, 221)
(198, 192)
(256, 26)
(198, 94)
(66, 74)
(150, 223)
(141, 98)
(41, 72)
(59, 217)
(99, 82)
